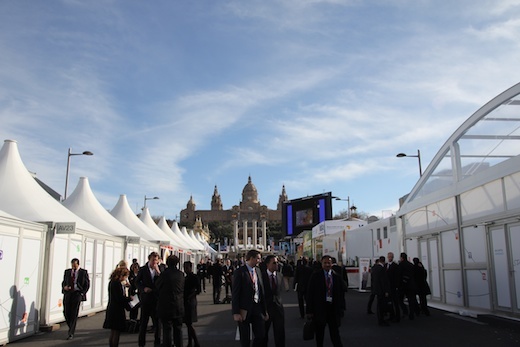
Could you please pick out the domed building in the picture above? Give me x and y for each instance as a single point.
(249, 215)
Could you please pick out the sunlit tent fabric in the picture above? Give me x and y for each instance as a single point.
(175, 229)
(195, 244)
(163, 225)
(83, 203)
(207, 247)
(148, 221)
(123, 213)
(22, 197)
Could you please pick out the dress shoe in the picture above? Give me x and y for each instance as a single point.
(70, 337)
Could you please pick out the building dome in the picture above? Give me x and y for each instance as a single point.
(249, 193)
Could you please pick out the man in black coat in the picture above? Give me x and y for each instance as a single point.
(326, 302)
(274, 286)
(170, 306)
(407, 286)
(302, 274)
(216, 274)
(248, 300)
(392, 271)
(74, 287)
(148, 294)
(380, 287)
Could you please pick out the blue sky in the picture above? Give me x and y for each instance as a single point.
(175, 97)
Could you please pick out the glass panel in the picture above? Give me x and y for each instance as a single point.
(500, 267)
(478, 288)
(442, 213)
(453, 283)
(450, 247)
(474, 245)
(441, 177)
(415, 221)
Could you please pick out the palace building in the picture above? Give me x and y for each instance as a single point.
(249, 218)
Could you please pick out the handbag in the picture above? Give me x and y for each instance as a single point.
(308, 330)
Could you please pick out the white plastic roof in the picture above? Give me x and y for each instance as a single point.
(22, 196)
(205, 244)
(175, 229)
(123, 213)
(147, 220)
(195, 244)
(83, 203)
(163, 225)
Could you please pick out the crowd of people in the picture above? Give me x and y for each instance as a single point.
(392, 282)
(253, 286)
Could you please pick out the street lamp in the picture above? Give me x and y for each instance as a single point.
(145, 198)
(418, 156)
(70, 154)
(347, 200)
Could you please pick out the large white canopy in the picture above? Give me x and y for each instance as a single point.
(147, 220)
(175, 229)
(195, 244)
(22, 196)
(166, 229)
(123, 213)
(83, 203)
(206, 245)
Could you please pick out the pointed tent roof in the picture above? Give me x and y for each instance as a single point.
(163, 225)
(24, 198)
(175, 229)
(123, 213)
(205, 244)
(147, 220)
(83, 203)
(195, 244)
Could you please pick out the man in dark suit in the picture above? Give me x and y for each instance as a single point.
(274, 286)
(326, 302)
(216, 274)
(248, 300)
(392, 271)
(228, 270)
(302, 274)
(148, 295)
(75, 286)
(170, 308)
(407, 287)
(381, 288)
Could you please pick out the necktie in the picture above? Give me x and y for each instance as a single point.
(273, 282)
(73, 279)
(329, 285)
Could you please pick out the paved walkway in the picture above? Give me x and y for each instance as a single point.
(216, 328)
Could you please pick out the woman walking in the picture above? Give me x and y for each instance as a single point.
(115, 318)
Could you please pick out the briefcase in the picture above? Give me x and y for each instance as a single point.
(308, 330)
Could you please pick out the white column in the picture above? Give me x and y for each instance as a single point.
(235, 234)
(255, 234)
(244, 236)
(264, 233)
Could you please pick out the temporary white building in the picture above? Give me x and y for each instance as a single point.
(196, 245)
(20, 287)
(123, 213)
(461, 219)
(177, 248)
(147, 220)
(68, 236)
(207, 247)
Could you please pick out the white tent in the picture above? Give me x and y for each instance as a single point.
(163, 225)
(23, 197)
(197, 246)
(20, 288)
(83, 203)
(206, 245)
(182, 239)
(124, 214)
(147, 220)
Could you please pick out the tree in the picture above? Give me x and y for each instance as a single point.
(220, 230)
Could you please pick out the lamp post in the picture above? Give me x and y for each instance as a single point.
(418, 156)
(70, 154)
(347, 200)
(145, 198)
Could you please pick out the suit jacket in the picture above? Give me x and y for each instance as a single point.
(380, 283)
(273, 298)
(243, 291)
(144, 279)
(170, 286)
(82, 282)
(301, 277)
(317, 293)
